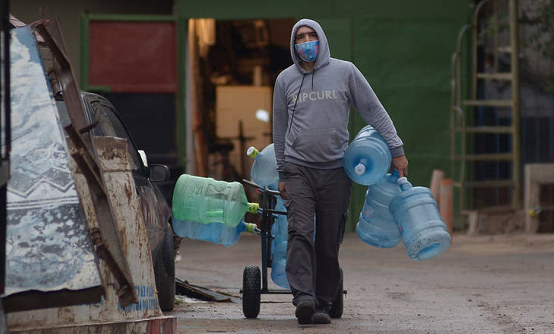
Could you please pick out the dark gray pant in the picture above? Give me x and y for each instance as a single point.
(312, 267)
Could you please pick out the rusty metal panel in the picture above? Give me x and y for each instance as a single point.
(48, 251)
(103, 230)
(60, 72)
(122, 194)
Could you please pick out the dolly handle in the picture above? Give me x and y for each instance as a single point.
(262, 189)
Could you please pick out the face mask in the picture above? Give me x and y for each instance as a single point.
(308, 51)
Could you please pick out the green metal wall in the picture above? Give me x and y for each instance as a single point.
(402, 47)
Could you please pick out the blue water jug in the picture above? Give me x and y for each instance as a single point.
(264, 168)
(368, 157)
(279, 247)
(376, 225)
(278, 264)
(216, 233)
(424, 234)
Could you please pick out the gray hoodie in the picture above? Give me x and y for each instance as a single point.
(311, 109)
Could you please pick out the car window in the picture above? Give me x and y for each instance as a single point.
(104, 126)
(110, 125)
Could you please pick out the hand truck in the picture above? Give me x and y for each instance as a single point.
(254, 281)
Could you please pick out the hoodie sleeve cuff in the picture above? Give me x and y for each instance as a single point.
(397, 151)
(281, 176)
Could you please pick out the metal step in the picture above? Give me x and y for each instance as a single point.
(487, 103)
(495, 76)
(505, 49)
(489, 184)
(486, 157)
(486, 129)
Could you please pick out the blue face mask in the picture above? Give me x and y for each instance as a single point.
(308, 51)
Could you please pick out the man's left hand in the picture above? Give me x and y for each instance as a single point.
(401, 164)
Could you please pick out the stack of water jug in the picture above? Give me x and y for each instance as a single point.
(393, 209)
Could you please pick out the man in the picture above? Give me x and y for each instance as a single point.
(311, 104)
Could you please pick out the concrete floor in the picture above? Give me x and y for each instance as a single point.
(484, 284)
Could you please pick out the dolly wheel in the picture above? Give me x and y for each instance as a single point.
(251, 285)
(338, 302)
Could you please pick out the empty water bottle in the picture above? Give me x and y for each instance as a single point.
(278, 264)
(205, 200)
(264, 168)
(376, 225)
(368, 157)
(424, 234)
(280, 223)
(217, 233)
(279, 247)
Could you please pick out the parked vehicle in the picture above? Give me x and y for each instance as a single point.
(156, 212)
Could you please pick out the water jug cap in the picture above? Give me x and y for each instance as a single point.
(360, 168)
(253, 207)
(252, 152)
(404, 184)
(251, 228)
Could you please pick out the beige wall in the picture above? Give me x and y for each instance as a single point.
(70, 12)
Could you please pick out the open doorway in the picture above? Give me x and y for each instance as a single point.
(231, 70)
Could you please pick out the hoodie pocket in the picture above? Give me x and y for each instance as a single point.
(318, 146)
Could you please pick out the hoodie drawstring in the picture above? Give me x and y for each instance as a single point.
(297, 97)
(313, 75)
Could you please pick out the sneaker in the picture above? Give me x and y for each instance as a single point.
(321, 316)
(304, 311)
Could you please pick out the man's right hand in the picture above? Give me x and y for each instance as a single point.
(282, 190)
(401, 164)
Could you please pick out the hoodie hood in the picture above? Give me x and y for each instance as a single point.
(324, 53)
